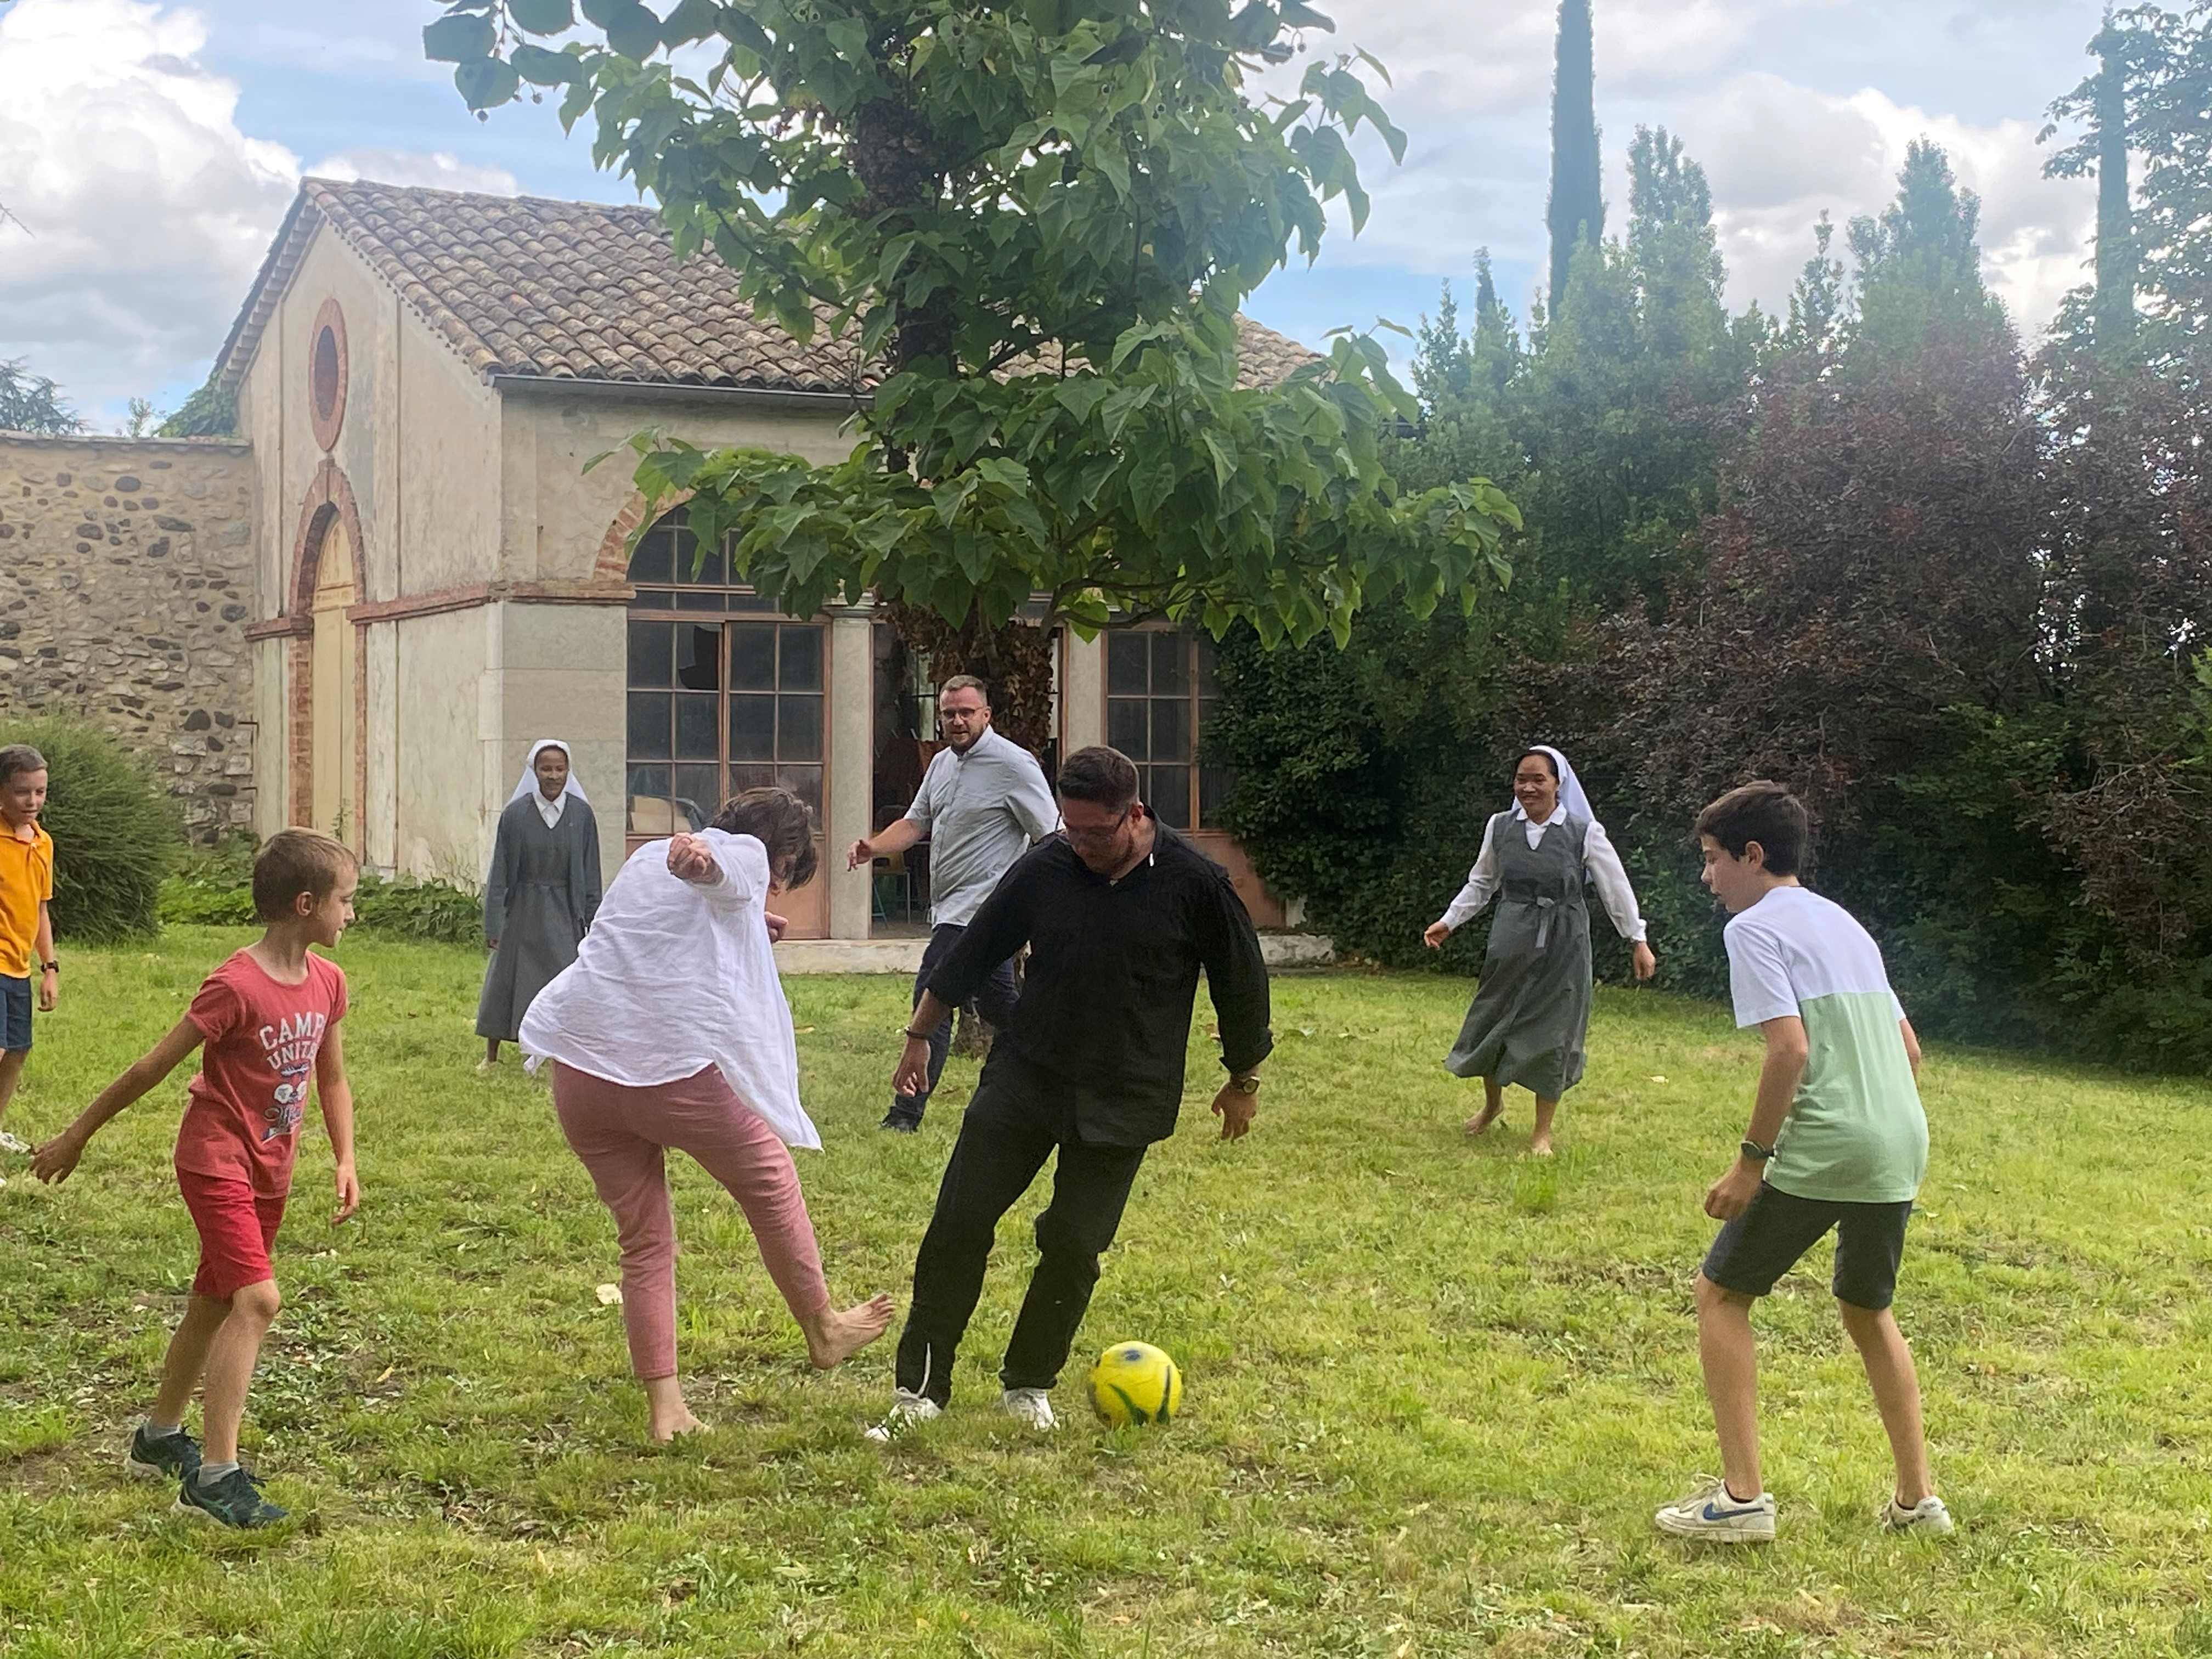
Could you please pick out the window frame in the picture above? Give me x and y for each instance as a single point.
(1198, 703)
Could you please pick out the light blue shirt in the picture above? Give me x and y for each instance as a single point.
(981, 810)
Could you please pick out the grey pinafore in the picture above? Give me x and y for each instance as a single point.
(1531, 1012)
(540, 896)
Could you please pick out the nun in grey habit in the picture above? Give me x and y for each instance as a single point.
(541, 891)
(1531, 1010)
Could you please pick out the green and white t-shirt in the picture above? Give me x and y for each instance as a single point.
(1855, 1133)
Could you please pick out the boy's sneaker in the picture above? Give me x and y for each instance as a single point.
(1030, 1407)
(175, 1456)
(908, 1409)
(1711, 1513)
(235, 1500)
(1928, 1515)
(14, 1143)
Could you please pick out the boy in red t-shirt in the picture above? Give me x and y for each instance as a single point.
(269, 1019)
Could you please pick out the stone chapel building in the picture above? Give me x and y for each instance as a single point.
(401, 574)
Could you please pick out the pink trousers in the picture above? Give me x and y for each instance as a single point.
(623, 1136)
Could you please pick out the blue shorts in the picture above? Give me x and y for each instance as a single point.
(1764, 1243)
(15, 1014)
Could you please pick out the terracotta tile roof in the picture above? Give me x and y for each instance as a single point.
(529, 287)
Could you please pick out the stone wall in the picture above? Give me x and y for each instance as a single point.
(126, 580)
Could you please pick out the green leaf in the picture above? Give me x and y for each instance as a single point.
(542, 68)
(1298, 15)
(634, 32)
(692, 20)
(542, 16)
(849, 39)
(459, 37)
(485, 82)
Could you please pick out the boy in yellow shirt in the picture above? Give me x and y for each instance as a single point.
(27, 930)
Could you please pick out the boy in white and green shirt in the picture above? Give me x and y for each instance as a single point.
(1836, 1141)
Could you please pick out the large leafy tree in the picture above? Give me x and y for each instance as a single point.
(1575, 213)
(1035, 220)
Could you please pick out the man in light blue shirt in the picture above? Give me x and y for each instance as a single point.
(982, 803)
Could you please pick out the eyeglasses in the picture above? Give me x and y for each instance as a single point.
(1102, 833)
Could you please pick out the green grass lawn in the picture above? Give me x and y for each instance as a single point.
(1435, 1389)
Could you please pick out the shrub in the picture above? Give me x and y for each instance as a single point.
(116, 831)
(214, 888)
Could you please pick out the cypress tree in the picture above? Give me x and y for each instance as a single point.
(2115, 304)
(1577, 211)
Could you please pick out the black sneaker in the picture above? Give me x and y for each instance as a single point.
(900, 1124)
(175, 1456)
(235, 1500)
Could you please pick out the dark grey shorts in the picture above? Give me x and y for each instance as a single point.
(1776, 1227)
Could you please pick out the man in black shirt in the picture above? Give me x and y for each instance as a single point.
(1120, 913)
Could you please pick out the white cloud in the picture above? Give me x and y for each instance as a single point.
(144, 209)
(439, 170)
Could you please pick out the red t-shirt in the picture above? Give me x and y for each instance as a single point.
(262, 1036)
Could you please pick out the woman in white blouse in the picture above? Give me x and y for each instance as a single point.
(1531, 1011)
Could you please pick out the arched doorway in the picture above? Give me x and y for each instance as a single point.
(334, 719)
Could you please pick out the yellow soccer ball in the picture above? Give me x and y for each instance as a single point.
(1135, 1382)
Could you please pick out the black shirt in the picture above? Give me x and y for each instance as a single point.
(1113, 973)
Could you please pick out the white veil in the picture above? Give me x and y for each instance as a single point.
(528, 784)
(1570, 787)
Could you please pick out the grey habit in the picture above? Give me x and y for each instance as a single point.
(1531, 1013)
(541, 894)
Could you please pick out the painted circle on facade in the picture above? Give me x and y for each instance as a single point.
(327, 374)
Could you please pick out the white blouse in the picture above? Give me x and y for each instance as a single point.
(675, 976)
(549, 810)
(1599, 858)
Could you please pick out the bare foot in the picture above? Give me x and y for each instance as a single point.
(1483, 1118)
(1540, 1146)
(834, 1337)
(682, 1425)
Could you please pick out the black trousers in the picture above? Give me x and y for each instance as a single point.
(994, 1002)
(1018, 1118)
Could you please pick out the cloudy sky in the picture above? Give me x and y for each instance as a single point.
(148, 149)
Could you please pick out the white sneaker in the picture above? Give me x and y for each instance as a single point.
(907, 1410)
(1928, 1515)
(1711, 1513)
(1030, 1407)
(15, 1144)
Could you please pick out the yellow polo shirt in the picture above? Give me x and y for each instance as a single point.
(27, 881)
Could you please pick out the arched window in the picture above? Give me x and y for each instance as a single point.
(725, 693)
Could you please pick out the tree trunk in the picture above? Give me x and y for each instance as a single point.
(1014, 660)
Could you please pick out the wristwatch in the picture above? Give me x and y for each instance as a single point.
(50, 967)
(1754, 1152)
(1247, 1085)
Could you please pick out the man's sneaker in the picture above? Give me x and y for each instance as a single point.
(1928, 1515)
(235, 1500)
(175, 1456)
(1030, 1407)
(1711, 1513)
(908, 1409)
(14, 1143)
(900, 1124)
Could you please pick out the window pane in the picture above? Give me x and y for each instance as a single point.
(696, 737)
(650, 654)
(1170, 657)
(652, 562)
(1124, 726)
(698, 793)
(653, 598)
(751, 777)
(713, 573)
(699, 656)
(802, 660)
(1170, 729)
(648, 811)
(648, 725)
(752, 656)
(1214, 783)
(752, 728)
(806, 782)
(798, 728)
(1170, 795)
(699, 598)
(1126, 655)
